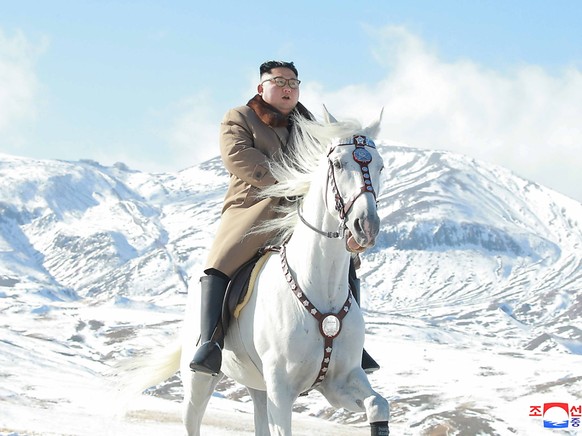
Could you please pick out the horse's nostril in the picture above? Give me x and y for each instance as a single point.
(357, 226)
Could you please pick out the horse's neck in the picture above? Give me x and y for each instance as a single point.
(320, 264)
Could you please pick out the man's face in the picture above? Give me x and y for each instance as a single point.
(285, 98)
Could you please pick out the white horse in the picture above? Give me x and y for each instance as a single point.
(300, 329)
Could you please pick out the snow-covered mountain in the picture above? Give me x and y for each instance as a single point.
(472, 295)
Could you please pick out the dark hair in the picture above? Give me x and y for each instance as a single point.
(266, 67)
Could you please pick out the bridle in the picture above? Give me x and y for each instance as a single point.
(363, 158)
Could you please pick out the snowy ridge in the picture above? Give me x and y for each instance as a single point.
(464, 235)
(474, 267)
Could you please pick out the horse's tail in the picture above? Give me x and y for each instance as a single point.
(132, 376)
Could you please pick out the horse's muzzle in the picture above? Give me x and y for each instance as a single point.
(363, 235)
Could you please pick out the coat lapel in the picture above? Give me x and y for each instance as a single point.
(273, 118)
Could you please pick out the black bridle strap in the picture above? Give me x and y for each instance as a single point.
(362, 158)
(360, 142)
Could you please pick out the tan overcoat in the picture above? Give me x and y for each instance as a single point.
(250, 136)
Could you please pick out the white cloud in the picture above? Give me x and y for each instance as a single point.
(193, 134)
(19, 84)
(525, 119)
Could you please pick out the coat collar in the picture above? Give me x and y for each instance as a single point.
(271, 116)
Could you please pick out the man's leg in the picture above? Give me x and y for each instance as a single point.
(208, 357)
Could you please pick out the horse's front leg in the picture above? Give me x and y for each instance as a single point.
(355, 393)
(280, 399)
(279, 412)
(260, 412)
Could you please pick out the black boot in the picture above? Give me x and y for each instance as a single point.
(208, 357)
(369, 365)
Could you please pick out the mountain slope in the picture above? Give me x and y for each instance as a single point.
(473, 265)
(476, 242)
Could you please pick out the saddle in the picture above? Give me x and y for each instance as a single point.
(239, 289)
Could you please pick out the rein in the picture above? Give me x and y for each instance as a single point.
(330, 324)
(329, 235)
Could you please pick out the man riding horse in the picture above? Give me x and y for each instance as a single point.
(250, 137)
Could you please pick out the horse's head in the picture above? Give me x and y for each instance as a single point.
(354, 178)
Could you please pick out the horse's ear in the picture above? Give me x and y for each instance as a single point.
(329, 118)
(373, 129)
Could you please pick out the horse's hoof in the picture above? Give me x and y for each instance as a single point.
(380, 428)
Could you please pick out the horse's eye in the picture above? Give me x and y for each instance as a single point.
(337, 164)
(382, 169)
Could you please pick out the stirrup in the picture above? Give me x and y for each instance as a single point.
(207, 359)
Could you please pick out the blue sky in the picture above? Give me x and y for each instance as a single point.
(147, 82)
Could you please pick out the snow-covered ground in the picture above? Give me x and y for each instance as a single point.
(472, 298)
(438, 381)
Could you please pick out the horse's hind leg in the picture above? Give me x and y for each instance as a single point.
(198, 389)
(357, 395)
(260, 412)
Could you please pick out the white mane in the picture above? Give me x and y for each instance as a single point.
(308, 149)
